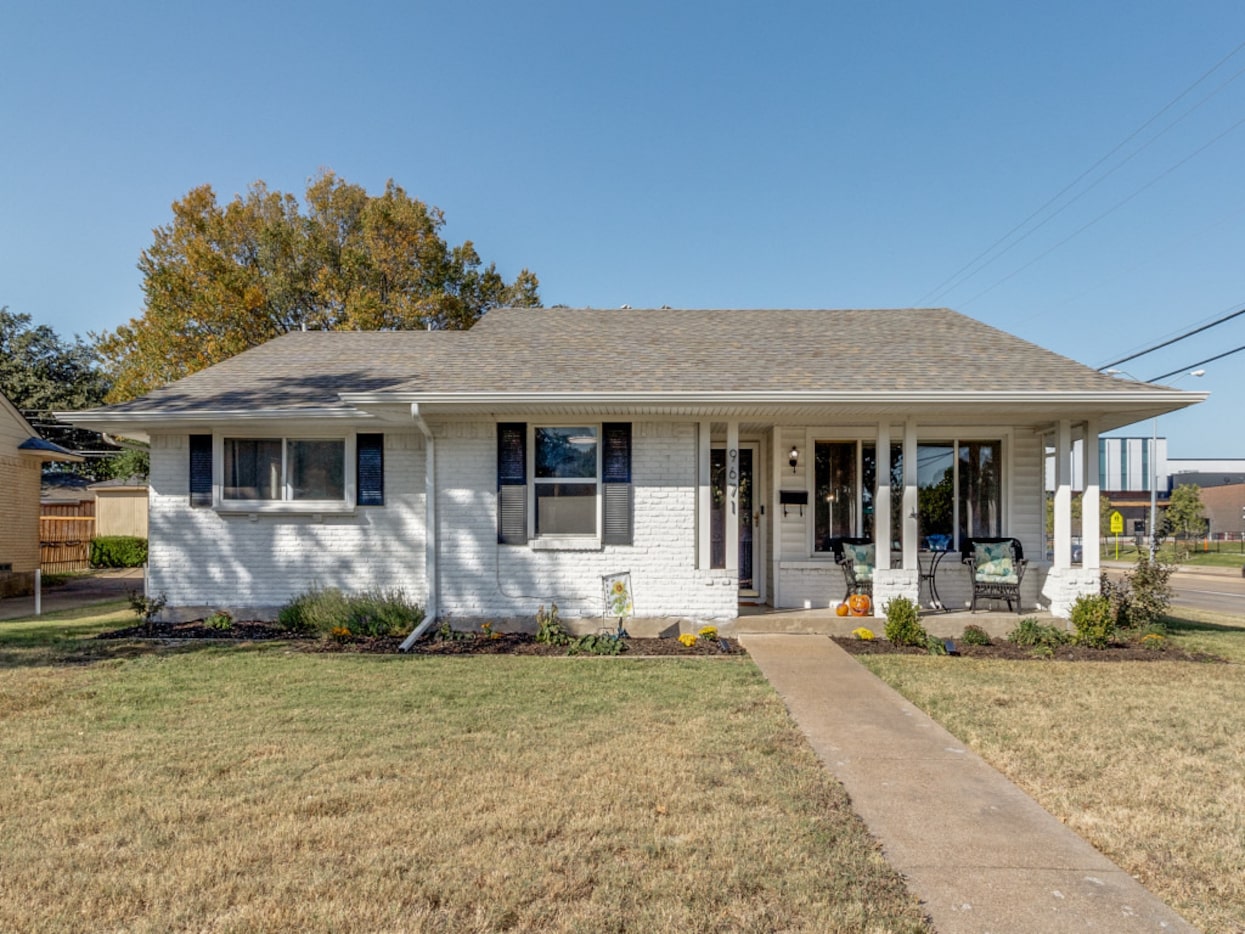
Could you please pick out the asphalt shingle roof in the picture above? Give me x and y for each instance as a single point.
(534, 350)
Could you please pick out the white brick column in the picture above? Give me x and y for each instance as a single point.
(1091, 532)
(1063, 494)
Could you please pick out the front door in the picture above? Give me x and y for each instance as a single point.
(746, 514)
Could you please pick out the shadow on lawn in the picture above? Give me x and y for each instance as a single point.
(1182, 624)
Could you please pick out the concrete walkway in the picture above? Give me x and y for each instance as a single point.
(980, 854)
(77, 592)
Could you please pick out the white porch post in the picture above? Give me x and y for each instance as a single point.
(882, 499)
(704, 498)
(732, 496)
(1091, 533)
(1063, 494)
(910, 527)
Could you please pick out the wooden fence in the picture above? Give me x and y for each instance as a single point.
(65, 533)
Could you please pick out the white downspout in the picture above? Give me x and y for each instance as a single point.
(430, 529)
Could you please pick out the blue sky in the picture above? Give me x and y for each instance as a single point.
(684, 154)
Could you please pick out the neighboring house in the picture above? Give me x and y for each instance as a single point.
(120, 507)
(22, 456)
(711, 454)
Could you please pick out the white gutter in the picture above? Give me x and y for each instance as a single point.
(431, 576)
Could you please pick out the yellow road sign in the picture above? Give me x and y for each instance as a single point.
(1117, 523)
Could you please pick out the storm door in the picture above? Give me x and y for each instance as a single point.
(745, 513)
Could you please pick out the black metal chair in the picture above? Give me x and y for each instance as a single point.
(857, 574)
(996, 566)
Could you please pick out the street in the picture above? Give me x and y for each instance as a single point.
(1214, 592)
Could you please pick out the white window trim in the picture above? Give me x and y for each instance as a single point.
(926, 434)
(284, 506)
(562, 541)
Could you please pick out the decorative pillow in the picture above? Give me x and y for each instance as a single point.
(862, 560)
(992, 563)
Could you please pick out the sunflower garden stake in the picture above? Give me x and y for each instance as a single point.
(616, 591)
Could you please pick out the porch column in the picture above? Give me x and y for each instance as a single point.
(910, 530)
(1091, 532)
(732, 496)
(882, 499)
(1063, 494)
(704, 497)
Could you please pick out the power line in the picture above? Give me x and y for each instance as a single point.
(955, 280)
(1193, 366)
(1108, 212)
(1176, 340)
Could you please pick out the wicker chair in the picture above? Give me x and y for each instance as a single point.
(857, 563)
(996, 566)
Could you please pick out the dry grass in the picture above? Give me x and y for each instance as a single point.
(1144, 760)
(264, 788)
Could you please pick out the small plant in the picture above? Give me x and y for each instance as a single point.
(341, 634)
(1150, 592)
(487, 631)
(221, 620)
(447, 633)
(147, 608)
(863, 634)
(597, 644)
(549, 628)
(1093, 618)
(975, 635)
(708, 632)
(1043, 651)
(903, 623)
(935, 646)
(688, 639)
(1029, 632)
(1154, 641)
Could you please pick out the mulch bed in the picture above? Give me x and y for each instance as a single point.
(504, 643)
(1123, 652)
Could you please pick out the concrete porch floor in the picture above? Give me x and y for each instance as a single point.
(949, 623)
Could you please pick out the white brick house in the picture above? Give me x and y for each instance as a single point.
(712, 454)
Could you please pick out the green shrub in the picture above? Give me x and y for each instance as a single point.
(1150, 592)
(935, 646)
(974, 635)
(371, 613)
(221, 620)
(118, 551)
(1093, 618)
(903, 623)
(1029, 632)
(602, 644)
(549, 628)
(147, 608)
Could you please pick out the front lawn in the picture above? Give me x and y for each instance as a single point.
(1143, 760)
(265, 787)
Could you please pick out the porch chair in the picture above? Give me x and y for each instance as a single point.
(996, 566)
(857, 557)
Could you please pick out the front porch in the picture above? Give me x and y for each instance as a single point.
(947, 624)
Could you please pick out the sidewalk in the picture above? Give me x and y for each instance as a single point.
(77, 592)
(980, 854)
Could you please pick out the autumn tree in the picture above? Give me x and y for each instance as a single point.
(218, 280)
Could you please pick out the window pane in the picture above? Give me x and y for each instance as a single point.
(252, 468)
(566, 453)
(566, 508)
(318, 469)
(834, 508)
(980, 494)
(935, 493)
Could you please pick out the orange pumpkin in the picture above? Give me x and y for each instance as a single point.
(840, 610)
(859, 604)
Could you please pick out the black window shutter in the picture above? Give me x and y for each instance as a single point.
(200, 470)
(370, 475)
(616, 487)
(512, 483)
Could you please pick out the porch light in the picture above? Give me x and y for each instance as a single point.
(794, 458)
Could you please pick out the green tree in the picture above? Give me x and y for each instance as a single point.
(1185, 515)
(1104, 512)
(218, 280)
(41, 373)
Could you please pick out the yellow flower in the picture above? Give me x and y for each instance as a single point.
(619, 589)
(708, 632)
(688, 639)
(860, 632)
